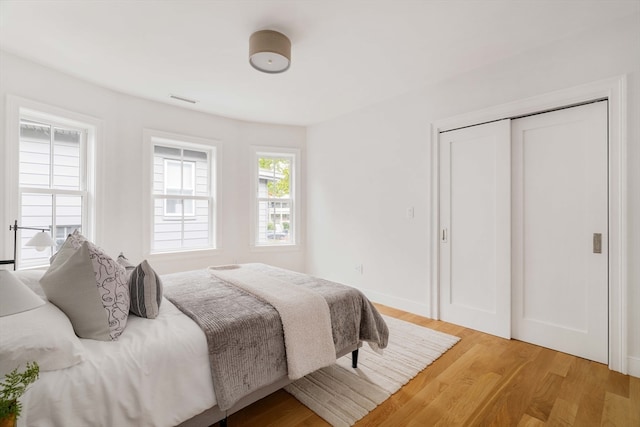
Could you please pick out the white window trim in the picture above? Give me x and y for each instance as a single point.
(16, 107)
(256, 152)
(150, 136)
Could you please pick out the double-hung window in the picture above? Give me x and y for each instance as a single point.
(182, 193)
(274, 183)
(53, 184)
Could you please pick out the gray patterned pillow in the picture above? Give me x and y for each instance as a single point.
(145, 287)
(90, 288)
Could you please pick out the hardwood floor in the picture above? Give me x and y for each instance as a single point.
(484, 381)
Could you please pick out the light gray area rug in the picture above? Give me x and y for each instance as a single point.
(343, 395)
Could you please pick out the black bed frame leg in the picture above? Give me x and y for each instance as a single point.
(354, 359)
(223, 422)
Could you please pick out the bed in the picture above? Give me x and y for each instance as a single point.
(159, 371)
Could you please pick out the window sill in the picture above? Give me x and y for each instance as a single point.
(34, 267)
(276, 248)
(183, 254)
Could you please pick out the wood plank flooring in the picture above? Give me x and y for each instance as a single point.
(484, 381)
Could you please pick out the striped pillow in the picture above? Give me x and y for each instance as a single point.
(145, 288)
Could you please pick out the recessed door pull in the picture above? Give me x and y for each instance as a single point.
(597, 243)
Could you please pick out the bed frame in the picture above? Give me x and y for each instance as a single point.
(214, 414)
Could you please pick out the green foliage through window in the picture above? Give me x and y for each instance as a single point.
(280, 168)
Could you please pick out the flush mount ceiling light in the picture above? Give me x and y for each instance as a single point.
(269, 51)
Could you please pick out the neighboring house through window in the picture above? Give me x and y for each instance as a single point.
(179, 179)
(275, 204)
(54, 185)
(182, 192)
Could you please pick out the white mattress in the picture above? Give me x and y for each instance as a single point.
(157, 374)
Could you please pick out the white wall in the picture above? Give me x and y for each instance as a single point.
(365, 169)
(120, 156)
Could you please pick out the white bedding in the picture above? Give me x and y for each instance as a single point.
(156, 374)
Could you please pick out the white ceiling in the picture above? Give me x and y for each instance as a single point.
(345, 54)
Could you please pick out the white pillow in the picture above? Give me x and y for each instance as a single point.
(31, 278)
(44, 335)
(90, 288)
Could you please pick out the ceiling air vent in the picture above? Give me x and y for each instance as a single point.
(180, 98)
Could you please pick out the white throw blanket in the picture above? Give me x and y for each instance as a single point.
(305, 317)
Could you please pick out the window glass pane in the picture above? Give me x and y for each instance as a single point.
(185, 170)
(173, 176)
(37, 211)
(158, 174)
(188, 177)
(173, 207)
(35, 131)
(66, 159)
(167, 233)
(62, 232)
(196, 229)
(274, 174)
(68, 217)
(35, 158)
(202, 179)
(195, 155)
(189, 207)
(166, 151)
(178, 207)
(274, 225)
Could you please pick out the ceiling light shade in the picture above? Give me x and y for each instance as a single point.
(269, 51)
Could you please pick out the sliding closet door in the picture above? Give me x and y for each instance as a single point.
(560, 230)
(475, 227)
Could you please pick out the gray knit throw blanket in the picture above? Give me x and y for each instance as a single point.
(245, 334)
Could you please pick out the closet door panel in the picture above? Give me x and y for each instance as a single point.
(560, 230)
(475, 234)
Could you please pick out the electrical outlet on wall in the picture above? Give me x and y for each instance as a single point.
(410, 212)
(360, 268)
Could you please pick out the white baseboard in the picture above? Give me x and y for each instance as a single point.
(633, 366)
(399, 303)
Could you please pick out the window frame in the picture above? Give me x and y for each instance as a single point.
(294, 197)
(151, 138)
(19, 108)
